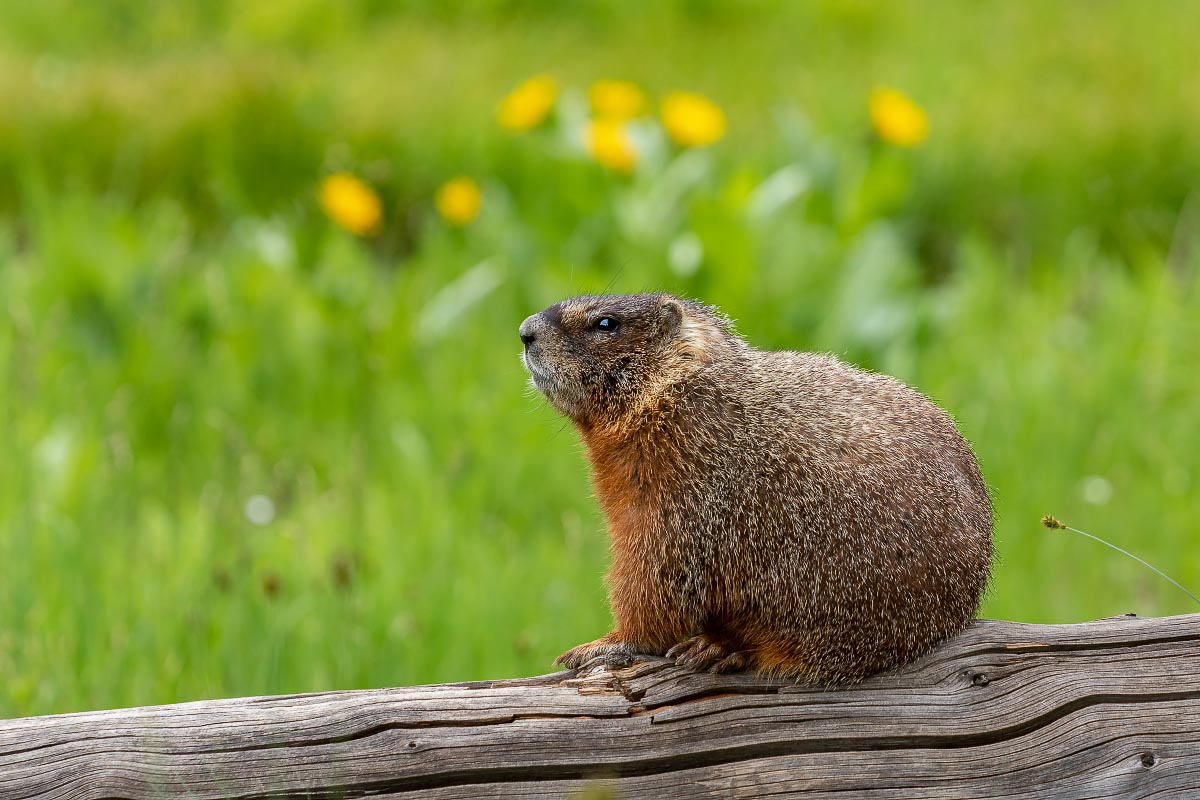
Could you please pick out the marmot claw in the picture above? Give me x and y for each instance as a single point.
(705, 652)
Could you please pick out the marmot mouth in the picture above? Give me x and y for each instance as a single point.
(564, 397)
(532, 367)
(542, 378)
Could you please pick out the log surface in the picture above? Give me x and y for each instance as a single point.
(1106, 709)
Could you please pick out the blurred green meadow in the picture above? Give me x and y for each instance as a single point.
(245, 449)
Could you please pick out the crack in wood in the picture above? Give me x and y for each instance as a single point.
(684, 761)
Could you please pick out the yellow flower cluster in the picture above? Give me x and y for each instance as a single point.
(691, 119)
(529, 104)
(458, 200)
(350, 203)
(896, 118)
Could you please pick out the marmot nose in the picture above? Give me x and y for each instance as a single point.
(528, 329)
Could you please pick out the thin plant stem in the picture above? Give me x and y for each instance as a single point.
(1051, 522)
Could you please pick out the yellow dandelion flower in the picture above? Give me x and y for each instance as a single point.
(896, 118)
(458, 200)
(609, 143)
(351, 204)
(529, 104)
(692, 119)
(616, 99)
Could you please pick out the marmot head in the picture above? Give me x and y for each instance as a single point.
(601, 357)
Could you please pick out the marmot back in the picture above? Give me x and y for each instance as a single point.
(779, 511)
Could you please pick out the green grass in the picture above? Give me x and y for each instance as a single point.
(182, 330)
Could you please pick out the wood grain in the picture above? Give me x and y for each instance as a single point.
(1106, 709)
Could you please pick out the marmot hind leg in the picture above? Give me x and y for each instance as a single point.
(715, 652)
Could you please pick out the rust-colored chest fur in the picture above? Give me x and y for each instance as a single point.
(629, 479)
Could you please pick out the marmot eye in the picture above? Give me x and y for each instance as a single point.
(607, 324)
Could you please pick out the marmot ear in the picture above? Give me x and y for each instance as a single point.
(670, 316)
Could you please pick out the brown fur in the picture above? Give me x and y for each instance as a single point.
(778, 511)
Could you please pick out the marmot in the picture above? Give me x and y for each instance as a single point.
(777, 511)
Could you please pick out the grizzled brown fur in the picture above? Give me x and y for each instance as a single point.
(778, 511)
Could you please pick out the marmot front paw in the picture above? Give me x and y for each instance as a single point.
(605, 650)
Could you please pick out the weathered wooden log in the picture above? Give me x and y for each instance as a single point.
(1107, 709)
